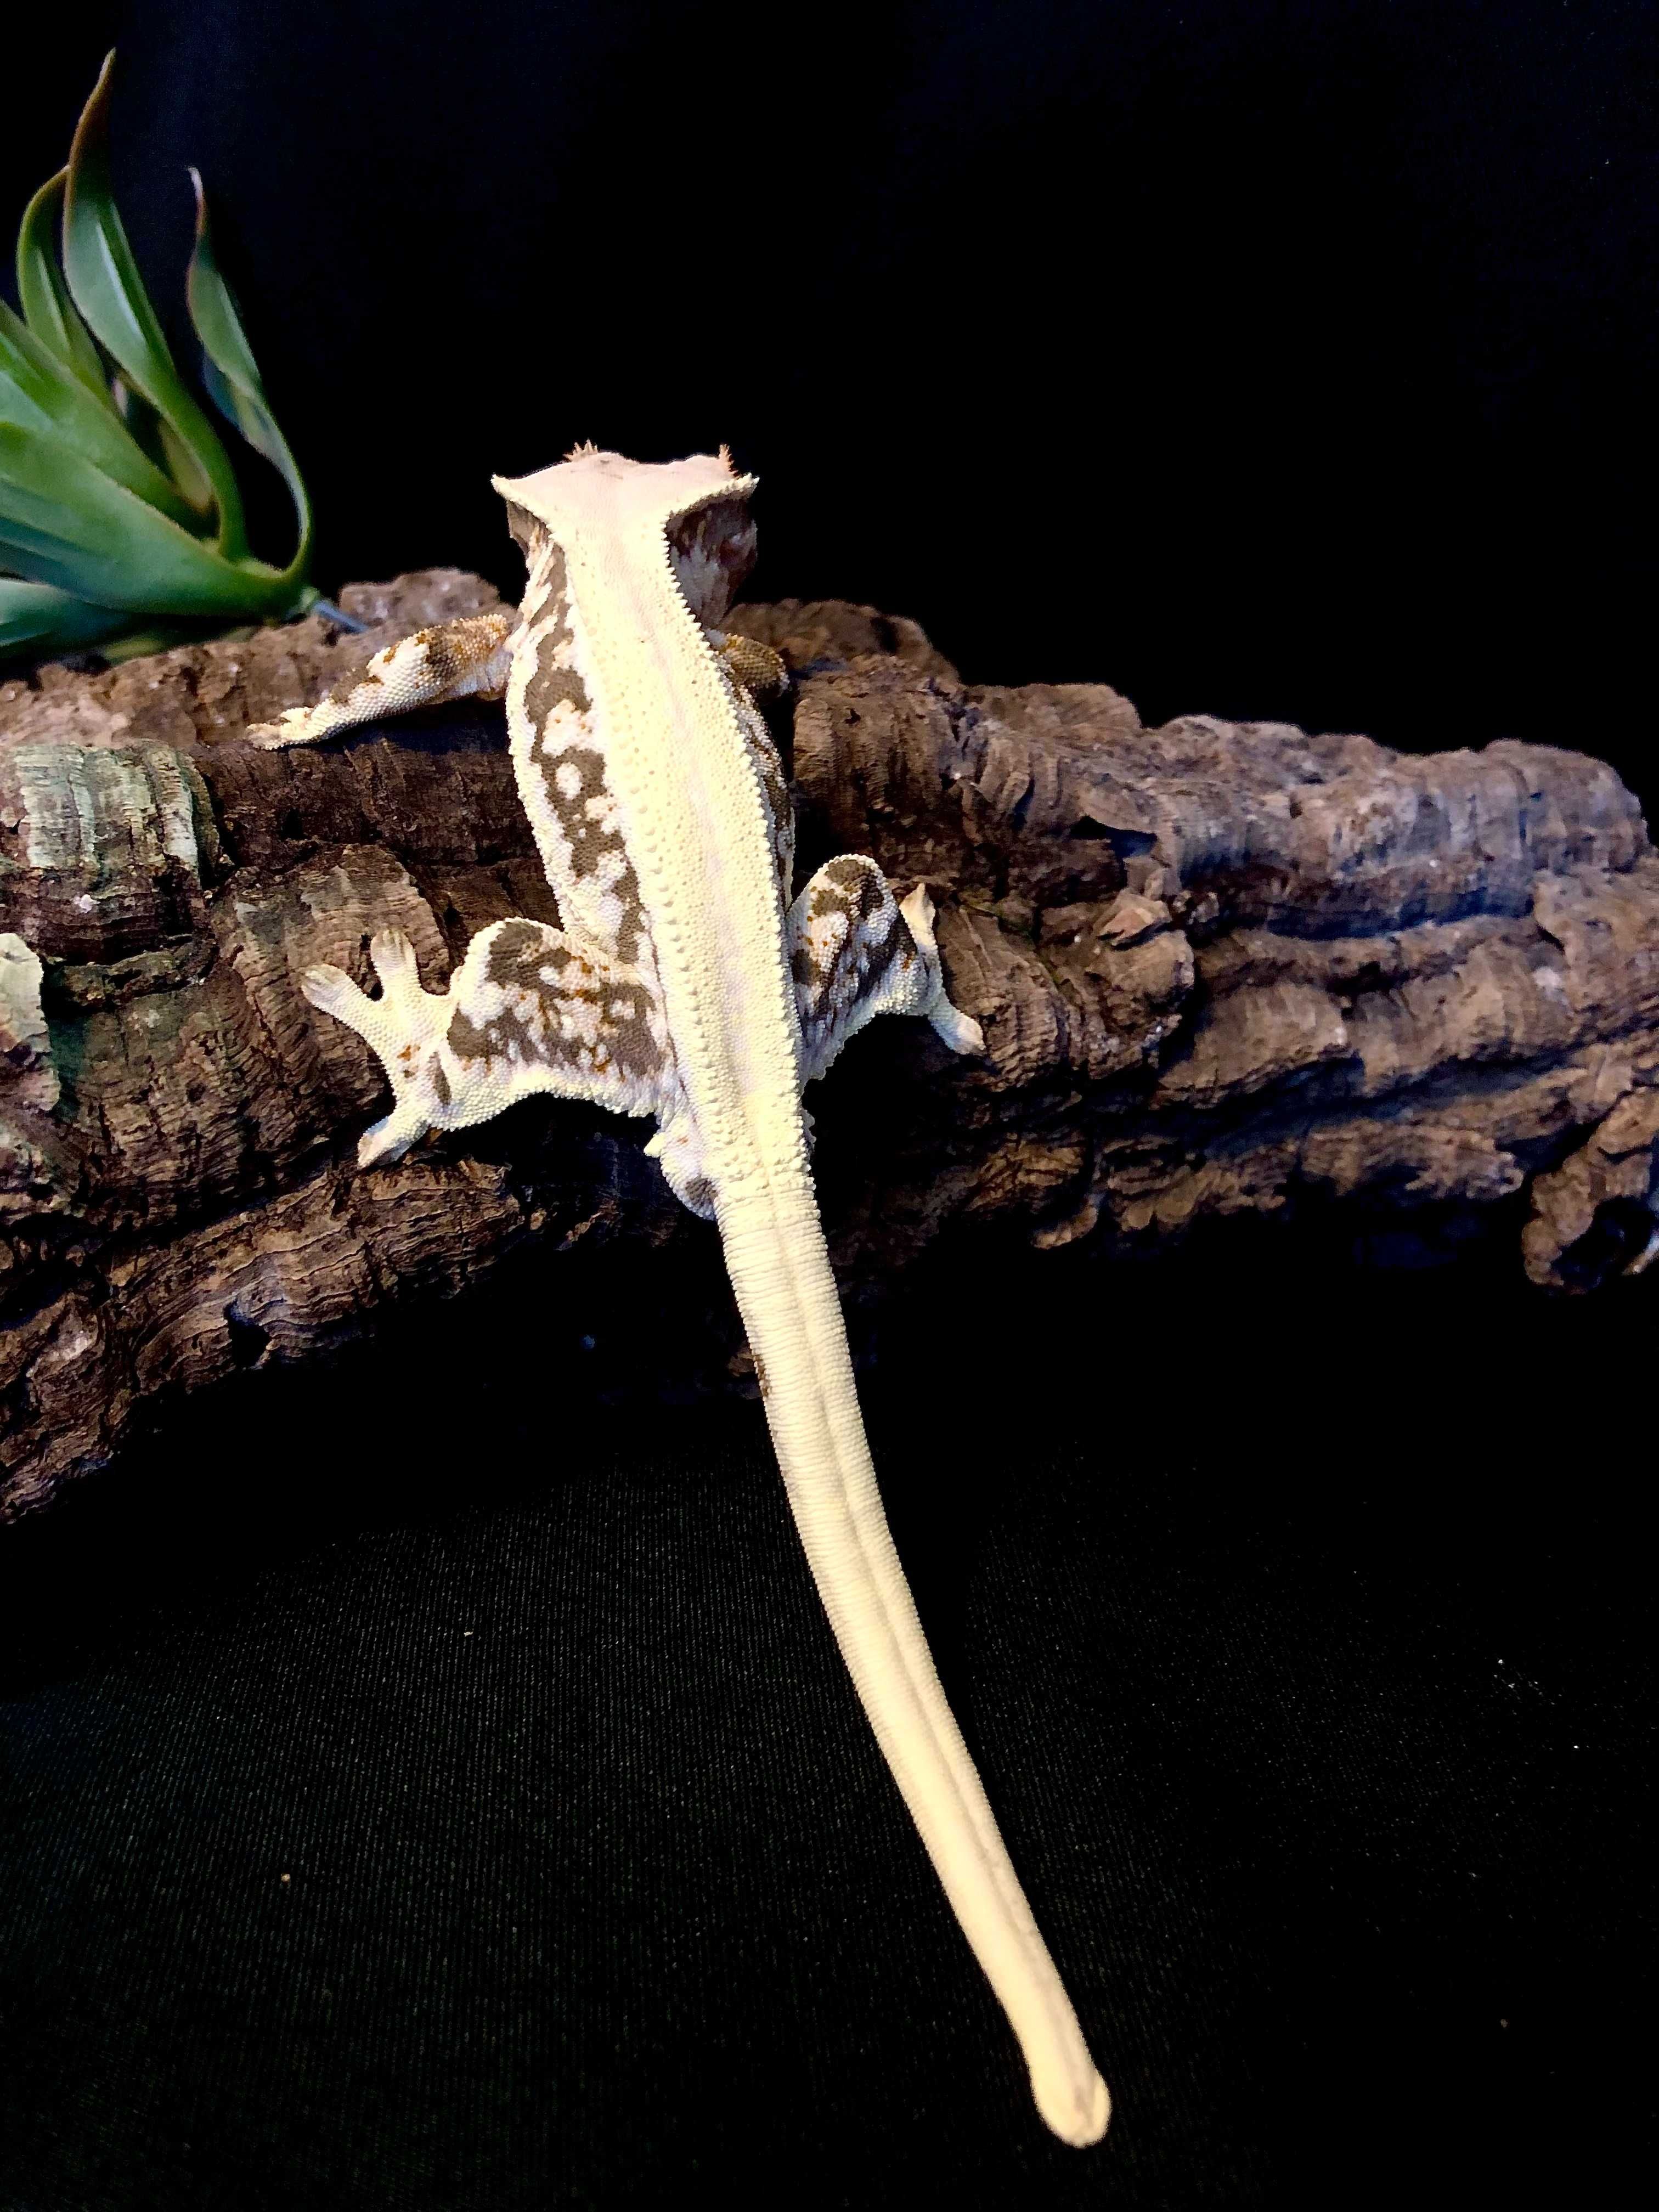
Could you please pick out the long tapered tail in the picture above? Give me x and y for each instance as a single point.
(786, 1292)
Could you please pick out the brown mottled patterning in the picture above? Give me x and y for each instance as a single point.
(578, 1011)
(467, 658)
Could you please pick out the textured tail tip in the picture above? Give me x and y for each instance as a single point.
(1077, 2112)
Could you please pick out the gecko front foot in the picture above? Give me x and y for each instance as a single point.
(294, 725)
(468, 658)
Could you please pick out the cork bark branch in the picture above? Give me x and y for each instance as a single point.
(1223, 970)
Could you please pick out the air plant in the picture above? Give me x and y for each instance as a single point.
(120, 520)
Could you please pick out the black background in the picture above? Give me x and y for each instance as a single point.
(1285, 362)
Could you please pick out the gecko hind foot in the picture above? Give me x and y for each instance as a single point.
(403, 1016)
(527, 1012)
(856, 951)
(399, 1028)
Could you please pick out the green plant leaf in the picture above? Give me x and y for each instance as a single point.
(158, 446)
(183, 468)
(62, 522)
(38, 618)
(106, 286)
(111, 477)
(232, 375)
(39, 394)
(47, 308)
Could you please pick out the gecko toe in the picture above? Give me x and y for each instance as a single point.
(329, 988)
(392, 954)
(918, 910)
(383, 1142)
(960, 1031)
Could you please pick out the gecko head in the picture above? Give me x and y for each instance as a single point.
(700, 504)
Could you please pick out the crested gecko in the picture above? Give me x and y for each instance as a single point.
(686, 983)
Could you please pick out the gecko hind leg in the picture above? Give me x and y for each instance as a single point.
(528, 1011)
(856, 952)
(468, 658)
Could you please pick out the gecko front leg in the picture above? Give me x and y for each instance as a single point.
(855, 952)
(468, 658)
(529, 1009)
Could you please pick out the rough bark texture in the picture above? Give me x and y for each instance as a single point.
(1223, 968)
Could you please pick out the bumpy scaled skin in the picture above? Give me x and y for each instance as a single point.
(685, 984)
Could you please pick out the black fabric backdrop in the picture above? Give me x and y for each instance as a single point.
(1295, 1617)
(508, 1836)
